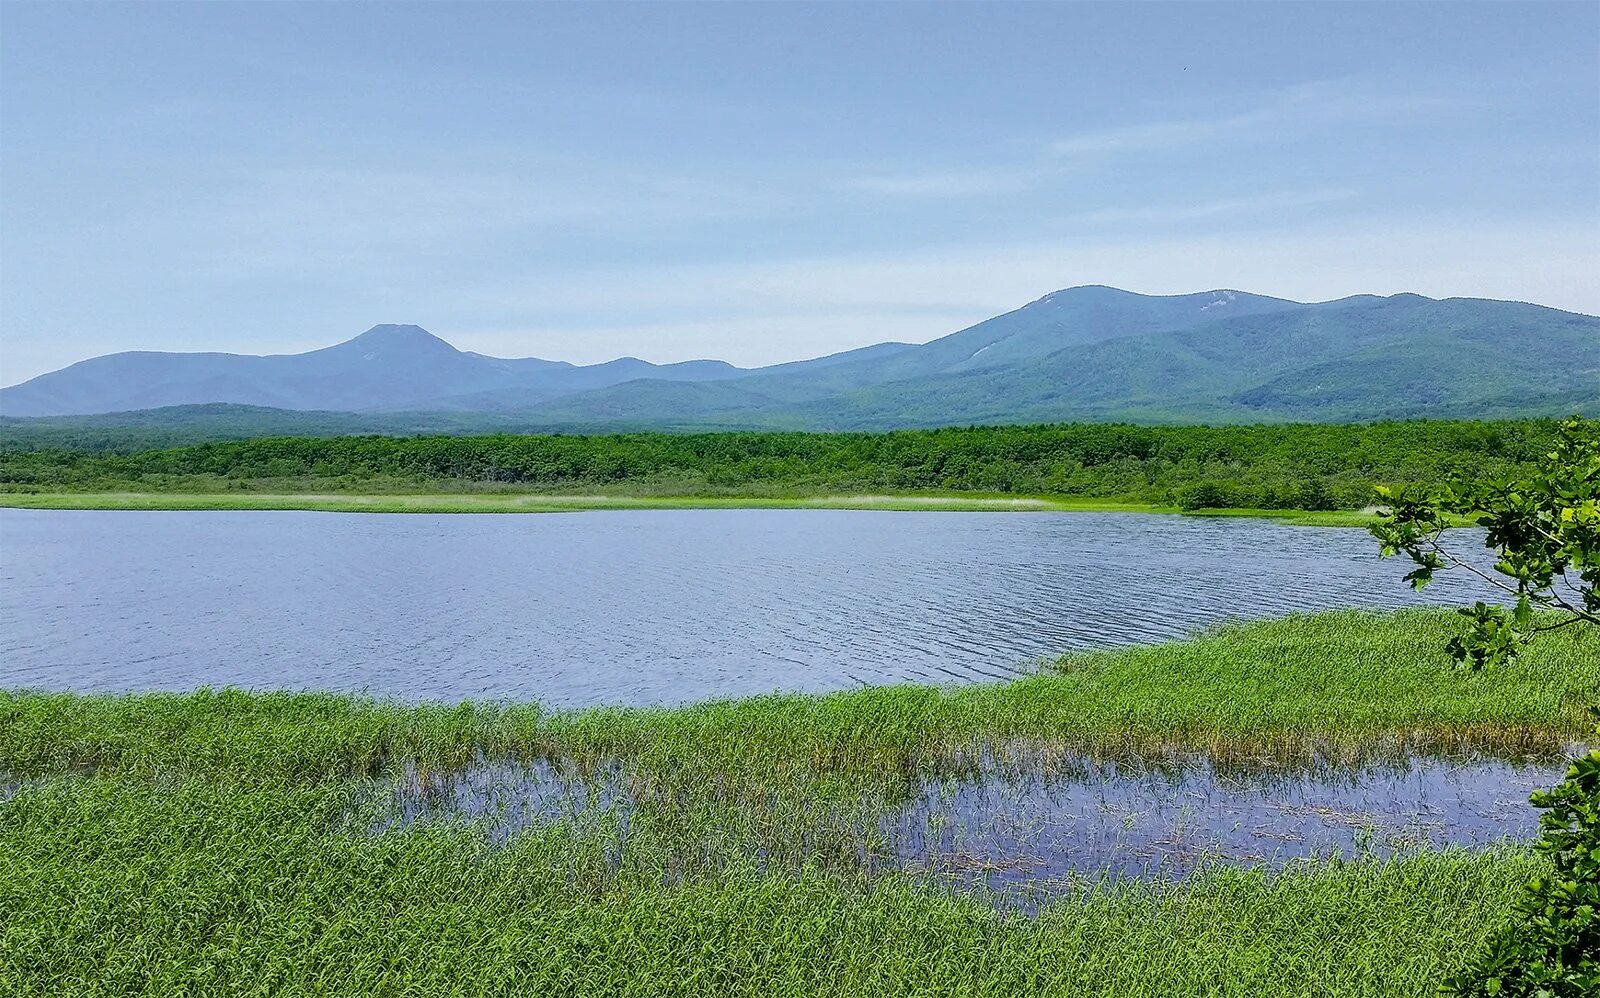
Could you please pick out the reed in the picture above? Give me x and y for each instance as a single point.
(229, 842)
(1324, 686)
(118, 885)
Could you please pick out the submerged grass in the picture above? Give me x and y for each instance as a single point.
(112, 884)
(224, 842)
(117, 887)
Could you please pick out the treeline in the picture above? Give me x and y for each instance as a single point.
(182, 425)
(1304, 466)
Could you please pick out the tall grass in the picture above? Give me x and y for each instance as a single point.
(112, 885)
(226, 842)
(1306, 687)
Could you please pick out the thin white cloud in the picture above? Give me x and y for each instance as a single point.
(1317, 104)
(363, 220)
(947, 183)
(1249, 204)
(1154, 135)
(1267, 117)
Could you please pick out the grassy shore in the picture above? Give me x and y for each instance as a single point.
(221, 842)
(335, 502)
(1328, 685)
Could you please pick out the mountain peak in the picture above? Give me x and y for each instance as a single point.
(389, 339)
(1082, 291)
(390, 332)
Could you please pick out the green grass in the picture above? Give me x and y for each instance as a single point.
(114, 888)
(204, 842)
(527, 503)
(1306, 686)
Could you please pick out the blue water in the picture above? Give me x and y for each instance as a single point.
(633, 607)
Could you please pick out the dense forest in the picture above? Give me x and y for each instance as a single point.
(1303, 466)
(182, 425)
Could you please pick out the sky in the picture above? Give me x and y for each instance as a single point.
(761, 182)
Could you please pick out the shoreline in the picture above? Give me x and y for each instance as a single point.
(543, 503)
(1303, 686)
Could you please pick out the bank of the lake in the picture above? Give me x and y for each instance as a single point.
(224, 842)
(1291, 467)
(1316, 685)
(517, 502)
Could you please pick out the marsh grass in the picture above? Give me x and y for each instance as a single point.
(228, 842)
(1338, 687)
(114, 885)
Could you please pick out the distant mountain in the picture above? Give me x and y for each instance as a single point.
(1100, 354)
(386, 367)
(1355, 359)
(1087, 353)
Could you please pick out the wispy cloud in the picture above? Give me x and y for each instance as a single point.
(1264, 118)
(1249, 204)
(1307, 105)
(949, 183)
(362, 219)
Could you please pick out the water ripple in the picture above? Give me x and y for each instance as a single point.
(635, 606)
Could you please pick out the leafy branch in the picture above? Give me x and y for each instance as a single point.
(1546, 532)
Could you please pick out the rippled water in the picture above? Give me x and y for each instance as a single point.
(633, 606)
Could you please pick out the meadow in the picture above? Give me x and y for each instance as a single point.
(224, 841)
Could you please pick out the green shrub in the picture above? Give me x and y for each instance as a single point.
(1553, 948)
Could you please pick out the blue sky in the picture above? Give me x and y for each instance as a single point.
(761, 182)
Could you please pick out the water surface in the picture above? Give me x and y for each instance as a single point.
(636, 607)
(1035, 830)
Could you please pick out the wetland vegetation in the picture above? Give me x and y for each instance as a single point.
(236, 842)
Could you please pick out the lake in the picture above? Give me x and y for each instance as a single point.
(634, 607)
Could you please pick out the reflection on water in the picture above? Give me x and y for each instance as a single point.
(1030, 831)
(1023, 833)
(633, 606)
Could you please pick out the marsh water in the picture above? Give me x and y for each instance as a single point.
(634, 607)
(1032, 831)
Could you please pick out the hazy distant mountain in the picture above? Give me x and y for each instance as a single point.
(1102, 354)
(1091, 353)
(386, 367)
(1355, 359)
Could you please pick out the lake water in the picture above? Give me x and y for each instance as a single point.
(634, 607)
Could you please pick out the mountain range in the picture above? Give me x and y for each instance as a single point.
(1086, 353)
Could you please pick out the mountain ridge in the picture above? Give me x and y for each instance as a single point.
(1087, 352)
